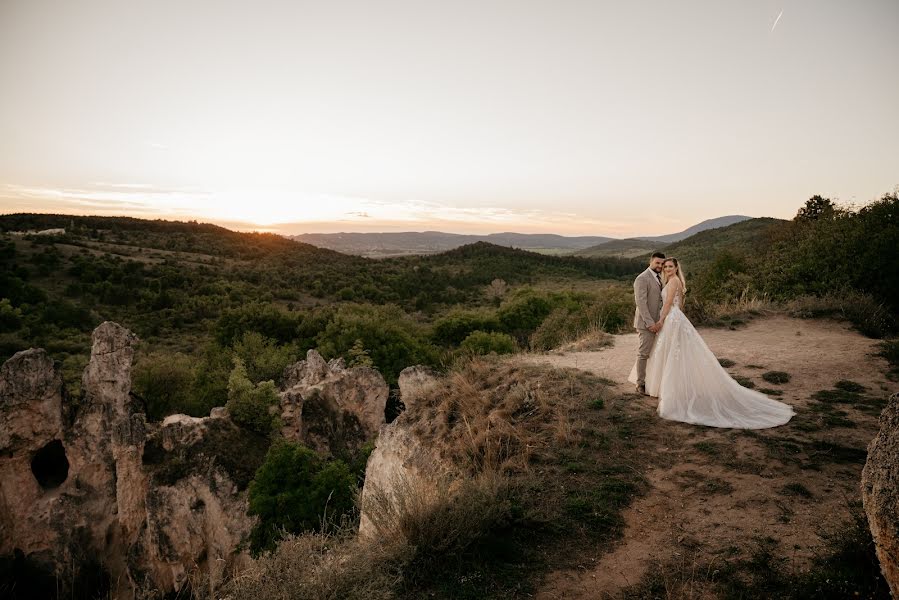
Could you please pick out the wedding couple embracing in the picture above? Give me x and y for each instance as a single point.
(675, 365)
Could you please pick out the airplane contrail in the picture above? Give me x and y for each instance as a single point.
(776, 21)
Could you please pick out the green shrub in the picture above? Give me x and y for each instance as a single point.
(393, 339)
(456, 325)
(611, 311)
(521, 315)
(777, 377)
(264, 358)
(251, 405)
(265, 319)
(164, 382)
(295, 490)
(484, 342)
(10, 317)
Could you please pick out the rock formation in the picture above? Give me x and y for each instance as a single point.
(94, 488)
(880, 492)
(329, 407)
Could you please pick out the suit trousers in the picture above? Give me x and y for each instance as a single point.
(647, 339)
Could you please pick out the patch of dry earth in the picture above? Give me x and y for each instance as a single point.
(714, 492)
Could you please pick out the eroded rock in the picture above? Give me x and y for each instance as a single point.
(880, 492)
(400, 467)
(153, 503)
(329, 407)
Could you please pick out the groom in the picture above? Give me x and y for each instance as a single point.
(648, 298)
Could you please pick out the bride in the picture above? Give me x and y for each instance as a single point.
(688, 380)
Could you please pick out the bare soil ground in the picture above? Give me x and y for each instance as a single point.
(714, 494)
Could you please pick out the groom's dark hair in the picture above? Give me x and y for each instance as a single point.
(658, 255)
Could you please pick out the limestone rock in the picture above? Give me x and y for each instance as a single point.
(152, 503)
(401, 466)
(147, 502)
(416, 383)
(880, 492)
(30, 402)
(329, 407)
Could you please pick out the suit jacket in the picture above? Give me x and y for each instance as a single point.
(648, 299)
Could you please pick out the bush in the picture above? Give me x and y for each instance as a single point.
(265, 319)
(394, 340)
(251, 405)
(523, 314)
(778, 377)
(164, 382)
(577, 316)
(483, 342)
(451, 329)
(294, 491)
(10, 317)
(264, 358)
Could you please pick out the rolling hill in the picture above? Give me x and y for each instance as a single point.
(377, 245)
(746, 237)
(704, 225)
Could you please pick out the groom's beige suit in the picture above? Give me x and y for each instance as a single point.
(648, 298)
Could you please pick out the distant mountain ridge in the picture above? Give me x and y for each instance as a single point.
(707, 224)
(430, 242)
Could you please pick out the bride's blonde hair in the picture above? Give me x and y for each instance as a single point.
(678, 272)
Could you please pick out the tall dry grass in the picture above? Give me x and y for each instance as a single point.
(508, 430)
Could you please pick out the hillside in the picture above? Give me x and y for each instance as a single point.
(742, 239)
(194, 292)
(627, 248)
(707, 224)
(377, 245)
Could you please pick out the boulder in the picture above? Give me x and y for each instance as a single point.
(880, 493)
(401, 472)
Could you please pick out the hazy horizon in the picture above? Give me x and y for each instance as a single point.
(576, 118)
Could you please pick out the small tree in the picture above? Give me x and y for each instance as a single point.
(483, 342)
(296, 490)
(358, 356)
(817, 208)
(251, 405)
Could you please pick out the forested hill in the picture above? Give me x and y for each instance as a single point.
(184, 284)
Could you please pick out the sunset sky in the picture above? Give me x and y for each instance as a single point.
(590, 117)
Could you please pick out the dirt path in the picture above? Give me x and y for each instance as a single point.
(714, 494)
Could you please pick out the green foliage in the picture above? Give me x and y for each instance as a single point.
(251, 405)
(10, 316)
(523, 313)
(295, 490)
(485, 342)
(358, 356)
(457, 324)
(163, 381)
(263, 357)
(263, 319)
(575, 315)
(392, 337)
(817, 208)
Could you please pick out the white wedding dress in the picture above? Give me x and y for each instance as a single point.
(693, 387)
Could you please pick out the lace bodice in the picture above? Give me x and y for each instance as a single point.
(678, 297)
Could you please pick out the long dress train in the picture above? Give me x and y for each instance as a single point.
(693, 387)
